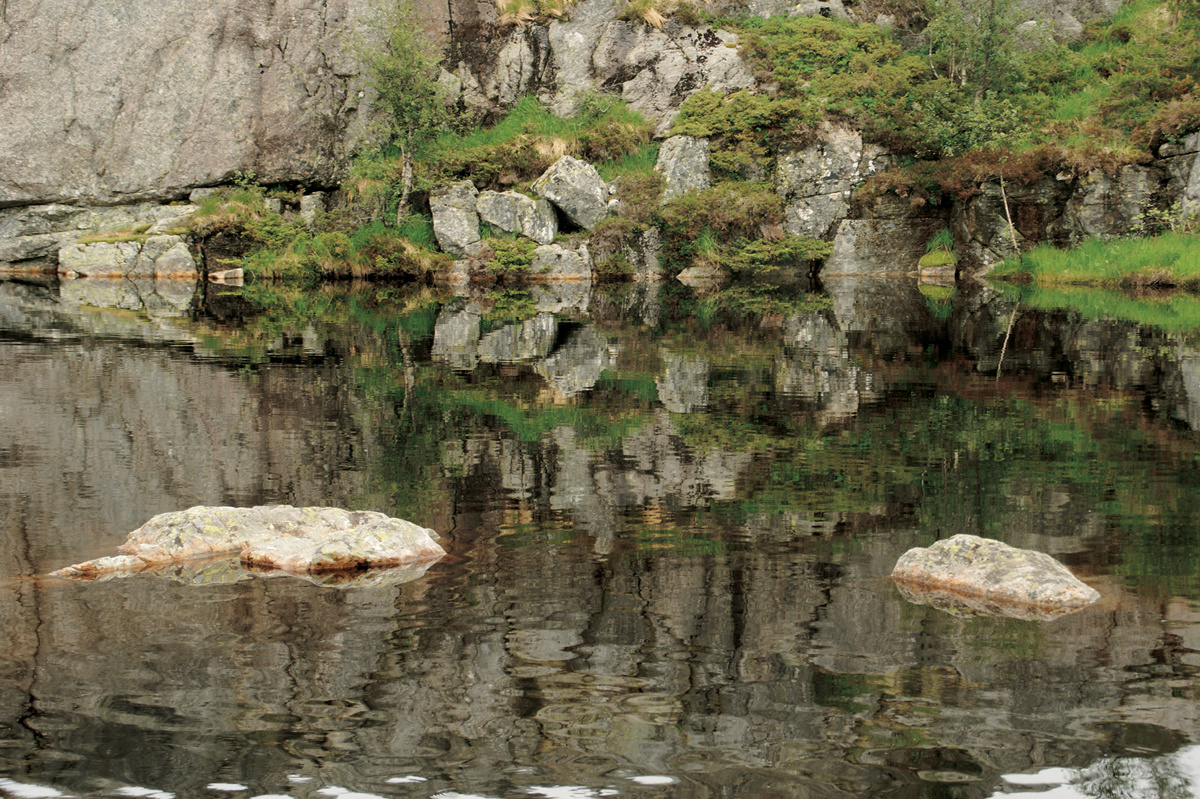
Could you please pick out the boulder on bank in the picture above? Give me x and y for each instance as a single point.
(969, 574)
(555, 262)
(455, 221)
(513, 212)
(577, 189)
(161, 256)
(298, 540)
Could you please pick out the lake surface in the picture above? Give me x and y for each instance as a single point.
(670, 526)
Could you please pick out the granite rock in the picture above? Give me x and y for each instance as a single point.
(987, 576)
(313, 539)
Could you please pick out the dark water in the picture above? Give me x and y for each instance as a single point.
(670, 527)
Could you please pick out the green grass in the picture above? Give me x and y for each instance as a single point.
(638, 163)
(530, 138)
(1170, 260)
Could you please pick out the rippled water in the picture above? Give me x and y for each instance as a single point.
(670, 528)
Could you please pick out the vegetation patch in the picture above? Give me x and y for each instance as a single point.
(138, 234)
(1171, 260)
(977, 101)
(529, 139)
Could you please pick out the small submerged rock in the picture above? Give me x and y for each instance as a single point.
(967, 574)
(313, 540)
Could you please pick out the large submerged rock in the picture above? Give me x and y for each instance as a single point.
(297, 540)
(969, 574)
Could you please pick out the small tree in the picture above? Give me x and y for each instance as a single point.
(403, 70)
(974, 41)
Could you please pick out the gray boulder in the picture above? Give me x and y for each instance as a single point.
(455, 221)
(1181, 161)
(704, 277)
(576, 188)
(40, 231)
(555, 262)
(279, 537)
(969, 574)
(513, 212)
(1102, 206)
(683, 162)
(652, 70)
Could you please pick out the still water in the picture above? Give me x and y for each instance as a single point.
(670, 527)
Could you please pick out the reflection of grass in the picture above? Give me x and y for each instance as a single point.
(1175, 311)
(523, 535)
(939, 300)
(681, 542)
(529, 424)
(846, 692)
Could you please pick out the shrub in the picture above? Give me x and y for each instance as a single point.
(762, 256)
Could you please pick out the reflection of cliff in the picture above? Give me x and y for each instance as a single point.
(1083, 353)
(113, 434)
(599, 489)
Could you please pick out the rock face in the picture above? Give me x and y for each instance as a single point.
(271, 536)
(455, 221)
(653, 70)
(146, 98)
(683, 162)
(967, 573)
(815, 182)
(576, 189)
(513, 212)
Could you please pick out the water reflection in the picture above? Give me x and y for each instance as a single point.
(670, 533)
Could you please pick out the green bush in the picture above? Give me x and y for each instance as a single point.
(511, 255)
(763, 255)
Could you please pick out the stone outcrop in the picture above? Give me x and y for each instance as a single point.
(815, 182)
(455, 221)
(683, 162)
(555, 262)
(153, 257)
(653, 70)
(271, 536)
(970, 574)
(576, 189)
(40, 231)
(148, 98)
(513, 212)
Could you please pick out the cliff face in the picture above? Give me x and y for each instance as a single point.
(115, 102)
(112, 102)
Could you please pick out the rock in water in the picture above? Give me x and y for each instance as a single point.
(967, 573)
(281, 537)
